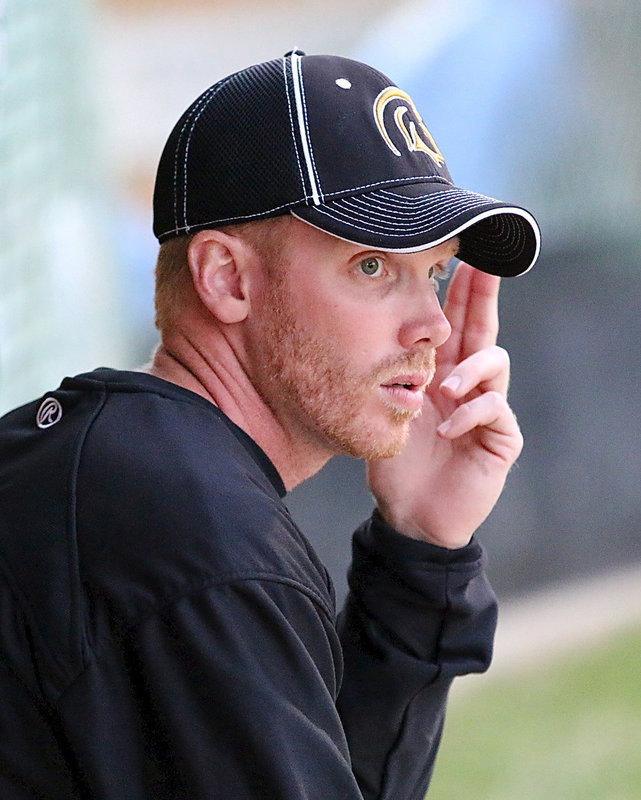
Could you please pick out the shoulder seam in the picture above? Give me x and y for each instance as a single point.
(225, 579)
(204, 586)
(76, 616)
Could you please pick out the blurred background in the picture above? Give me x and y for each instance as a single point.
(532, 101)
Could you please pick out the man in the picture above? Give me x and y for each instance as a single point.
(167, 631)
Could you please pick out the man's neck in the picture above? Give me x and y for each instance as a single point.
(221, 381)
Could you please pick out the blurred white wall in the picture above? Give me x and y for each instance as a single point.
(156, 57)
(59, 309)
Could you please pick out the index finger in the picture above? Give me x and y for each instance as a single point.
(471, 307)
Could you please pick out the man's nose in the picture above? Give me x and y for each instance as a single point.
(425, 321)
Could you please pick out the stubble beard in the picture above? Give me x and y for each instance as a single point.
(304, 378)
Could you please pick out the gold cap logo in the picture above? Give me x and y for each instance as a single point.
(417, 139)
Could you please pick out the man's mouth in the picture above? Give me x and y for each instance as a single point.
(406, 391)
(413, 382)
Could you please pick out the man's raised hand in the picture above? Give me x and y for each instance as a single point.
(453, 469)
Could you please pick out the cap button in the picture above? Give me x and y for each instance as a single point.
(295, 52)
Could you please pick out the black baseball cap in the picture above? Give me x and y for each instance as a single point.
(335, 143)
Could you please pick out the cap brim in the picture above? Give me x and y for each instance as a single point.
(494, 237)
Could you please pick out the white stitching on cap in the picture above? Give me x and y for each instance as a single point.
(373, 228)
(296, 77)
(430, 222)
(309, 139)
(413, 208)
(206, 100)
(180, 136)
(291, 123)
(370, 213)
(225, 220)
(303, 199)
(202, 99)
(391, 182)
(512, 211)
(451, 190)
(402, 199)
(375, 205)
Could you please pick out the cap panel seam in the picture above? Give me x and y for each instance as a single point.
(207, 99)
(390, 182)
(192, 111)
(292, 126)
(305, 197)
(307, 132)
(225, 220)
(297, 80)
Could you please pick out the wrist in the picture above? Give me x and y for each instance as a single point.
(437, 535)
(386, 540)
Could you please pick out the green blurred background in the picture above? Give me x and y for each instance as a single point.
(533, 101)
(569, 729)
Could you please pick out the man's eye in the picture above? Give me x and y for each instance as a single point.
(438, 274)
(371, 266)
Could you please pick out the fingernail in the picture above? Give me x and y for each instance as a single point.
(444, 427)
(452, 383)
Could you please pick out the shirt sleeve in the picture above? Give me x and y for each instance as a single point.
(227, 692)
(416, 616)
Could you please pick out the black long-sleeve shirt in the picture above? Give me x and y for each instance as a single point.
(167, 632)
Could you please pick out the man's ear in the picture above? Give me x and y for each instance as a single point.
(218, 266)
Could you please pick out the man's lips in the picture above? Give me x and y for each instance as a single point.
(406, 391)
(414, 382)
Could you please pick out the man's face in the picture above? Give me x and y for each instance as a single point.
(345, 340)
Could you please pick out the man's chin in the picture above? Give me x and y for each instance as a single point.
(377, 445)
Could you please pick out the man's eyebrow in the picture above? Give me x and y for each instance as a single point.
(456, 245)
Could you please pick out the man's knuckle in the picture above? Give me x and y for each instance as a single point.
(496, 399)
